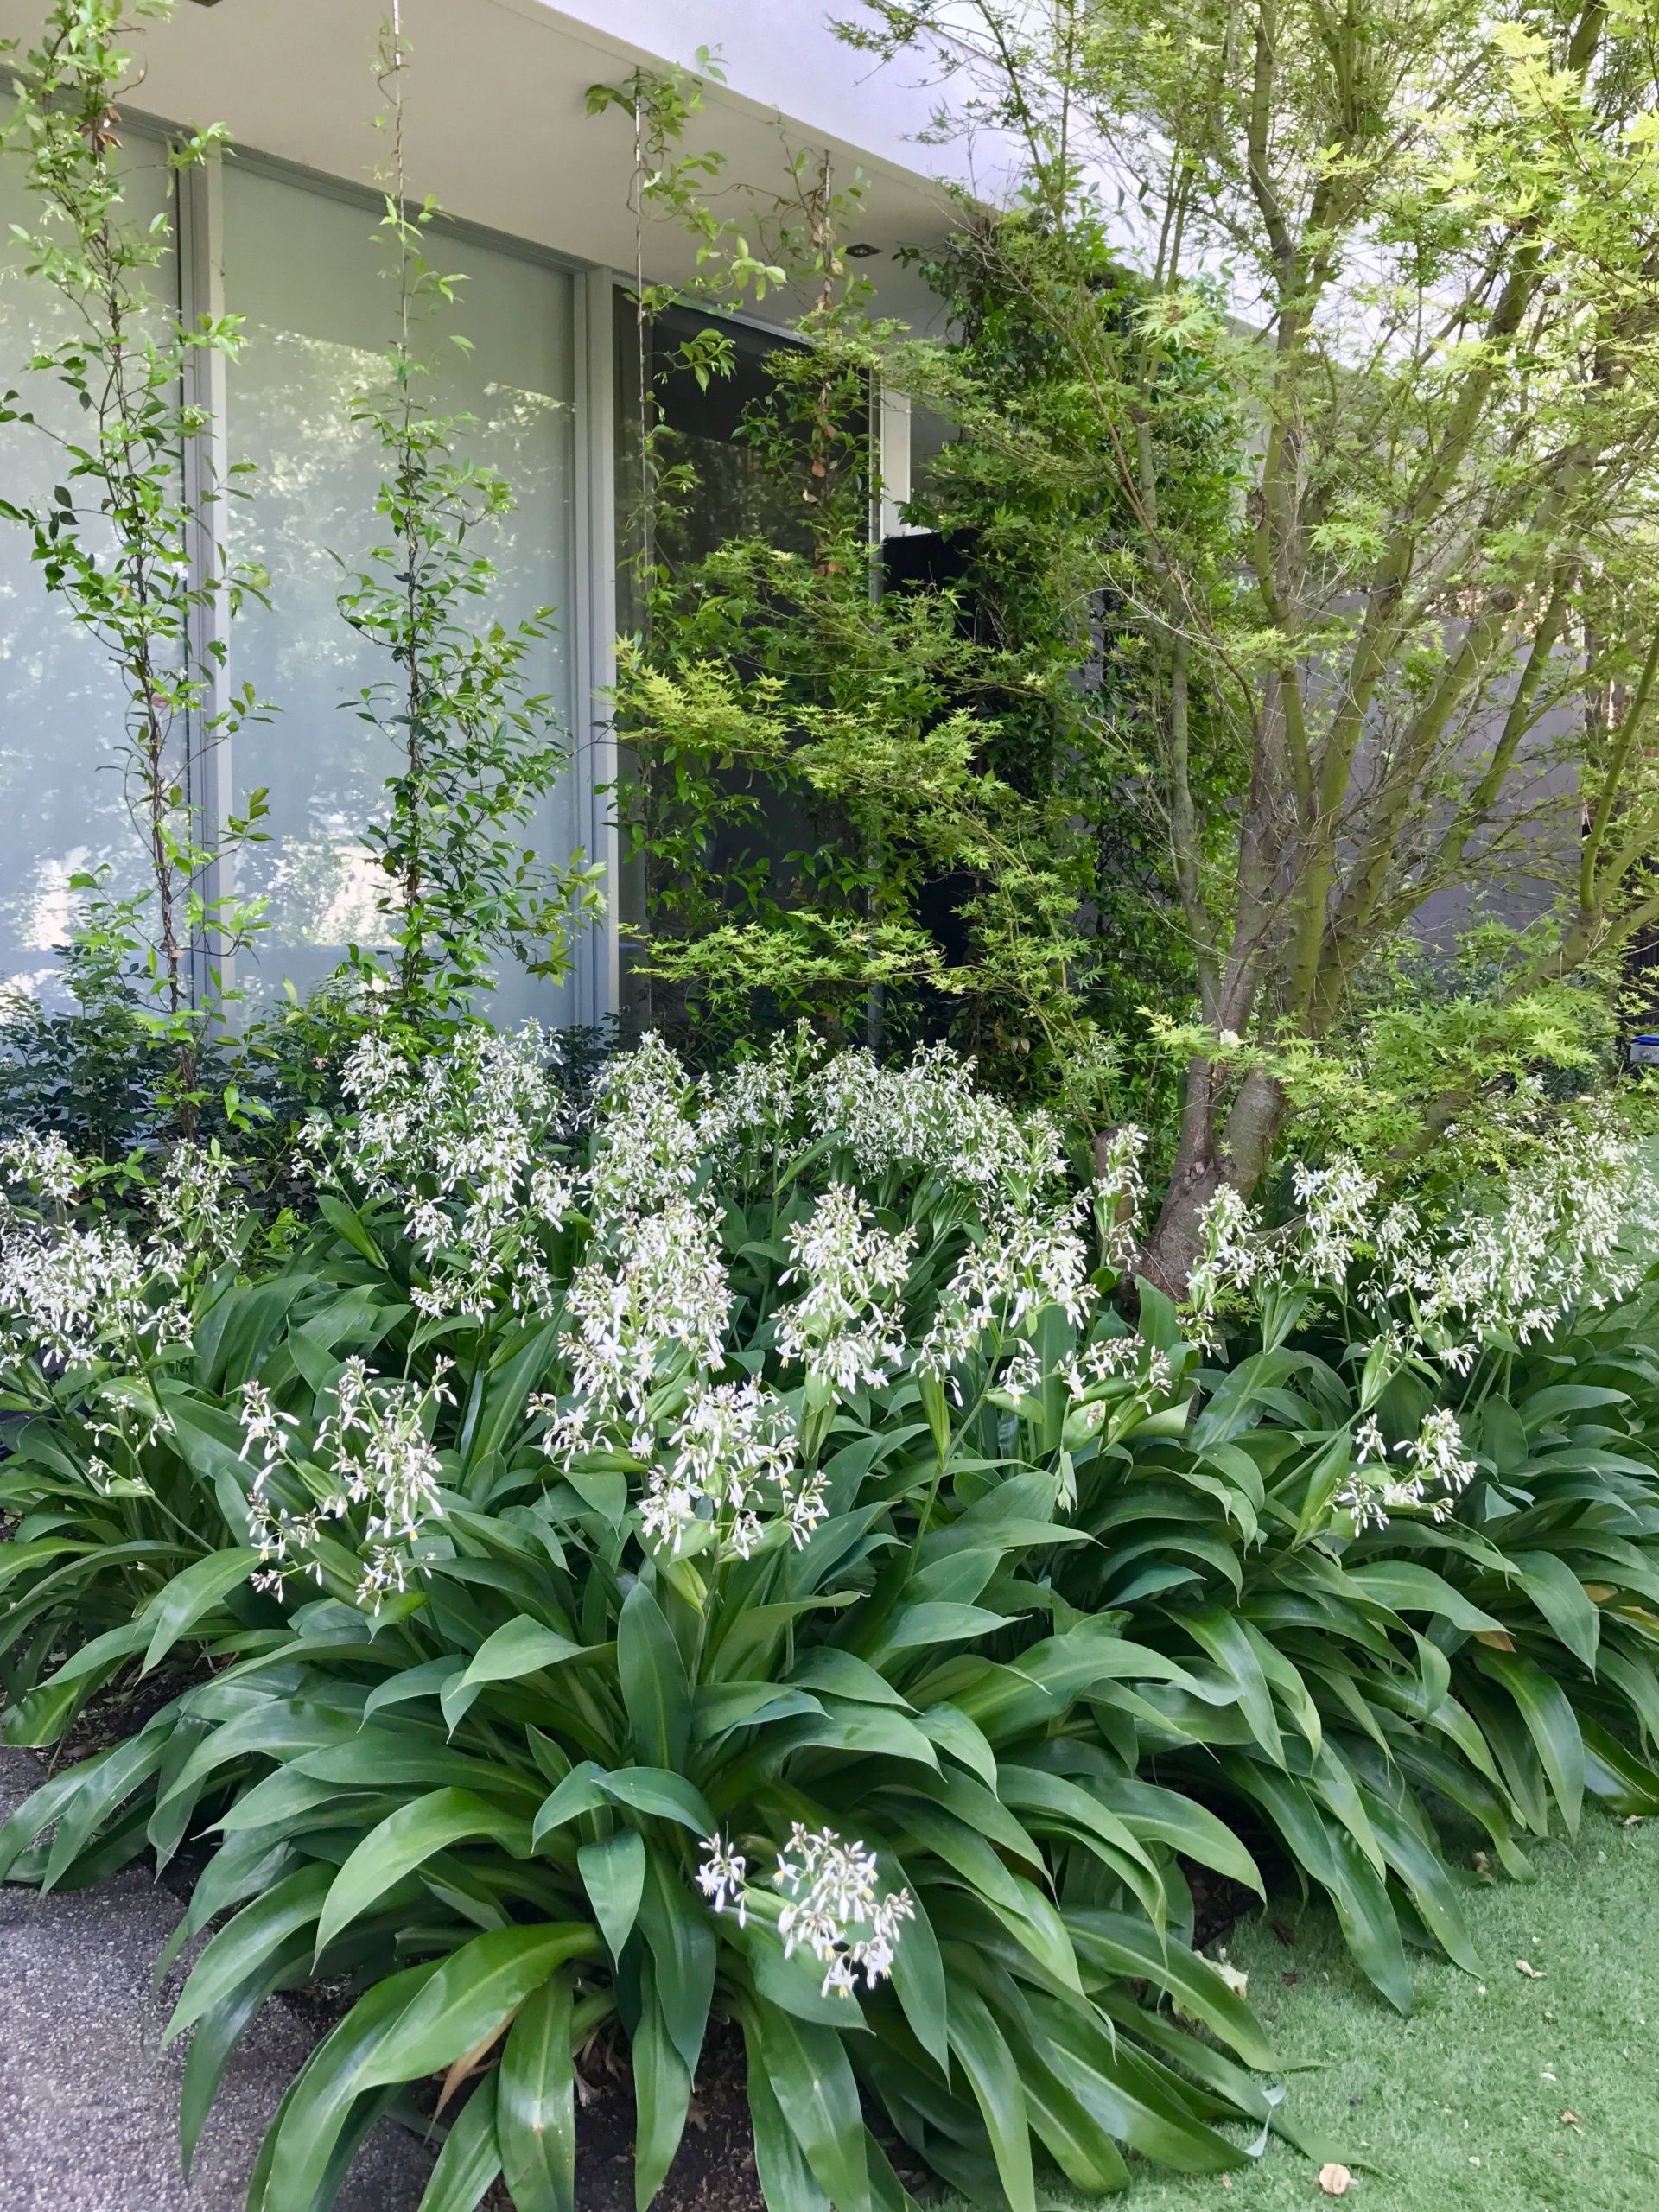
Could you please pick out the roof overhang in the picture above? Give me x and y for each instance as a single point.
(496, 123)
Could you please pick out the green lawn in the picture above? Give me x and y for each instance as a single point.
(1460, 2106)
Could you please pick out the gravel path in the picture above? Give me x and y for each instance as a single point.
(89, 2099)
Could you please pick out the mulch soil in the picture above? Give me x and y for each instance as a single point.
(714, 2170)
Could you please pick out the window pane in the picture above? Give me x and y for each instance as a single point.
(305, 272)
(63, 806)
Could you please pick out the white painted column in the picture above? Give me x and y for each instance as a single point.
(892, 459)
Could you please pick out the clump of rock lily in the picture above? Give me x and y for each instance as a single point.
(749, 1551)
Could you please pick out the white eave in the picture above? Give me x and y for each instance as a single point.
(496, 127)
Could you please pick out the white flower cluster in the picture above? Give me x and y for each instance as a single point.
(927, 1119)
(757, 1098)
(1233, 1253)
(834, 1909)
(1439, 1470)
(74, 1292)
(1025, 1262)
(1577, 1224)
(733, 1455)
(722, 1877)
(44, 1164)
(458, 1136)
(833, 1906)
(846, 1326)
(376, 1449)
(1337, 1203)
(651, 1297)
(648, 1151)
(1119, 1192)
(1109, 1358)
(70, 1295)
(647, 1313)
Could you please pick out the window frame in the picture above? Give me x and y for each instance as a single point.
(198, 217)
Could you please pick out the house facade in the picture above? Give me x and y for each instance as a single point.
(537, 218)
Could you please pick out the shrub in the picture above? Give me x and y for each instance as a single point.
(731, 1557)
(117, 1546)
(674, 1504)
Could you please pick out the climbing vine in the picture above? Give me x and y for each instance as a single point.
(477, 749)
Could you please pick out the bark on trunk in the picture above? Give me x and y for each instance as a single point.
(1205, 1159)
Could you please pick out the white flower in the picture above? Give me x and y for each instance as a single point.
(264, 1425)
(1119, 1192)
(1336, 1201)
(757, 1098)
(732, 1455)
(835, 1910)
(1368, 1440)
(197, 1213)
(44, 1164)
(457, 1136)
(654, 1294)
(1574, 1224)
(376, 1450)
(927, 1120)
(845, 1325)
(646, 1154)
(833, 1906)
(1233, 1252)
(71, 1294)
(1108, 1357)
(1022, 1373)
(1437, 1454)
(1024, 1263)
(1440, 1469)
(720, 1877)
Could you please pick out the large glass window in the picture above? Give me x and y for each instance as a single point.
(63, 804)
(304, 269)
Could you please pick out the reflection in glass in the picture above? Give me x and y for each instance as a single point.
(305, 270)
(63, 806)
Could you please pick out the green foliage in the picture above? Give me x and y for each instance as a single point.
(91, 1072)
(1412, 644)
(1446, 1065)
(894, 809)
(760, 1467)
(769, 673)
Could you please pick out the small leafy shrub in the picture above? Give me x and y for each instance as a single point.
(102, 1267)
(663, 1521)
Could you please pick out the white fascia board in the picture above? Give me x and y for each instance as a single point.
(496, 126)
(781, 58)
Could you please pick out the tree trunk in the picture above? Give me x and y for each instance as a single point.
(1204, 1160)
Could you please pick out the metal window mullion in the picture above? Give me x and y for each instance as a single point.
(206, 473)
(598, 973)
